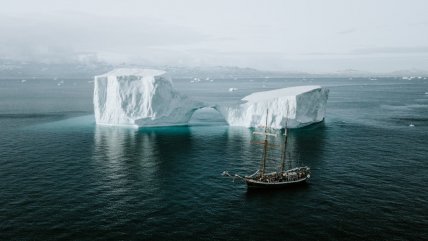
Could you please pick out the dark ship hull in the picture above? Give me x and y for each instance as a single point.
(256, 184)
(273, 180)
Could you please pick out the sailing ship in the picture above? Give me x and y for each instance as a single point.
(277, 179)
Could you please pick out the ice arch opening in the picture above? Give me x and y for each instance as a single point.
(208, 115)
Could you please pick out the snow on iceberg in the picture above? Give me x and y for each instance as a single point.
(303, 105)
(140, 97)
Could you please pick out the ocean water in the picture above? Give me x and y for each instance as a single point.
(64, 178)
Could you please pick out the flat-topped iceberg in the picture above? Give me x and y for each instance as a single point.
(140, 97)
(302, 105)
(146, 97)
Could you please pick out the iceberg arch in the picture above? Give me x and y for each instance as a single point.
(146, 98)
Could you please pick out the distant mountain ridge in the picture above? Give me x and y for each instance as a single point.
(87, 69)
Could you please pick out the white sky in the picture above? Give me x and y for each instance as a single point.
(311, 35)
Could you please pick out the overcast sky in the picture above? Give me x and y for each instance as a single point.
(312, 35)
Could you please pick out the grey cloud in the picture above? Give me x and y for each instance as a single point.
(421, 23)
(373, 51)
(321, 53)
(391, 50)
(57, 36)
(347, 31)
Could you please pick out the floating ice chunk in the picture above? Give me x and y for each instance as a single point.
(302, 105)
(233, 89)
(23, 80)
(408, 77)
(411, 125)
(140, 97)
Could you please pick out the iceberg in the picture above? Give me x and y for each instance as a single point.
(146, 97)
(301, 105)
(139, 98)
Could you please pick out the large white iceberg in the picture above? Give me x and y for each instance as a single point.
(301, 105)
(146, 97)
(140, 97)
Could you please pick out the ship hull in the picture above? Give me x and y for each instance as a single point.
(254, 184)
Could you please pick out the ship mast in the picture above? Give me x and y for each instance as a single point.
(284, 148)
(263, 164)
(265, 145)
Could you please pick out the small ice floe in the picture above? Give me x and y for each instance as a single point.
(195, 80)
(233, 89)
(60, 83)
(211, 80)
(426, 93)
(207, 78)
(373, 78)
(411, 125)
(23, 80)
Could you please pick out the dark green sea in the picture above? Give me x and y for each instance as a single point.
(64, 178)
